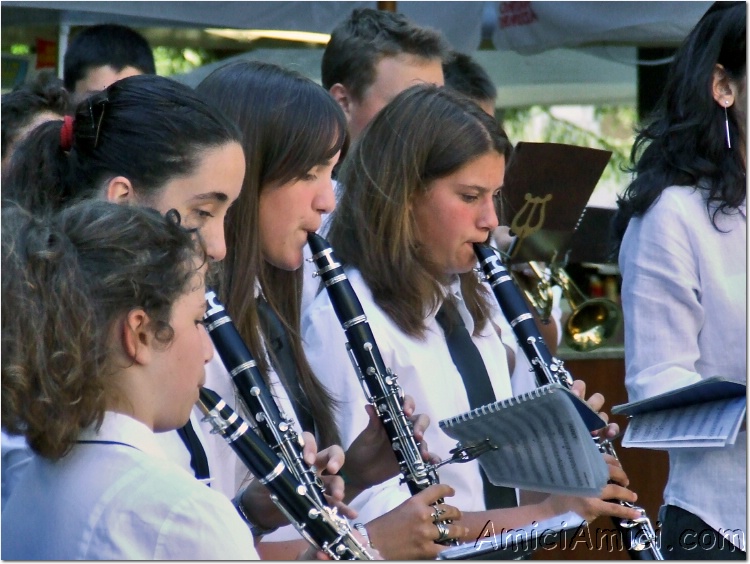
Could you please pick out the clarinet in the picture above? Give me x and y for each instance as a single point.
(318, 524)
(639, 532)
(275, 428)
(379, 383)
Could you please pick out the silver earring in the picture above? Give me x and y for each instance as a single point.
(726, 124)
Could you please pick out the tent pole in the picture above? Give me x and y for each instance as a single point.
(62, 46)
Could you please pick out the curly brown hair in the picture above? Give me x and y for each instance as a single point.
(67, 280)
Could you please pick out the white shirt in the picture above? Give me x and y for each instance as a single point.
(684, 303)
(16, 457)
(425, 371)
(118, 497)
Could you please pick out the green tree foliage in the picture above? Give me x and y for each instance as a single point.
(612, 129)
(173, 60)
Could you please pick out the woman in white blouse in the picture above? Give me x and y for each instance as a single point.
(683, 229)
(293, 134)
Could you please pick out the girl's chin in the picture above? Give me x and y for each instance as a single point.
(289, 264)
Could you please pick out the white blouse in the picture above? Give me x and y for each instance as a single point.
(116, 496)
(684, 297)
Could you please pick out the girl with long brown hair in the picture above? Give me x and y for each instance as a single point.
(419, 190)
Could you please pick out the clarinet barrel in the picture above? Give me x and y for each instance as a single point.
(637, 533)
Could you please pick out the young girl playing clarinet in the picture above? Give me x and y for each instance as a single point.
(103, 347)
(419, 189)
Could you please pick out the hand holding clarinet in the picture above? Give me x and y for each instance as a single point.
(633, 522)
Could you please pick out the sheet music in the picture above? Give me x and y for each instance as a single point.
(711, 424)
(703, 391)
(542, 443)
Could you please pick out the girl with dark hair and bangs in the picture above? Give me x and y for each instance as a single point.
(145, 140)
(294, 133)
(681, 232)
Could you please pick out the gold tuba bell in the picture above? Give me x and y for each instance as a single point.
(592, 322)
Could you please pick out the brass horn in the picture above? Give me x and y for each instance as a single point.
(592, 322)
(537, 289)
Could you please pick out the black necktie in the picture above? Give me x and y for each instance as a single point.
(198, 460)
(280, 349)
(470, 365)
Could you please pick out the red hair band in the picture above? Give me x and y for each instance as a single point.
(66, 133)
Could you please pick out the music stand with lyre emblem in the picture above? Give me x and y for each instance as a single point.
(544, 194)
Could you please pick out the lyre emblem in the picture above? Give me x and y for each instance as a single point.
(530, 218)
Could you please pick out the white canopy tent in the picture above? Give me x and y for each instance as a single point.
(533, 27)
(545, 52)
(525, 27)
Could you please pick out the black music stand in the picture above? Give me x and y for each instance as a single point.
(546, 189)
(592, 240)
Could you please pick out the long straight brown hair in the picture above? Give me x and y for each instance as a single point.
(425, 133)
(289, 125)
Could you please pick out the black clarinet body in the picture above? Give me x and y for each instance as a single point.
(379, 383)
(637, 533)
(275, 428)
(319, 525)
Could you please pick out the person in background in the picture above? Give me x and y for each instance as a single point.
(28, 105)
(23, 109)
(101, 54)
(293, 132)
(420, 189)
(681, 228)
(463, 74)
(104, 347)
(372, 56)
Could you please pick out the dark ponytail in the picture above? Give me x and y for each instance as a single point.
(146, 128)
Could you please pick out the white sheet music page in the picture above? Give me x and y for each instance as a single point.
(711, 424)
(542, 443)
